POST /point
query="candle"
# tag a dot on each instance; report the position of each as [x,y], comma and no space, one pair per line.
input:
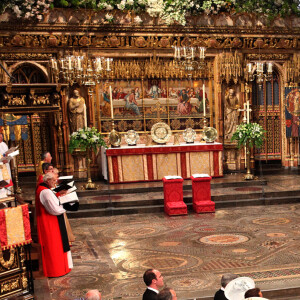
[111,103]
[175,52]
[249,67]
[108,69]
[84,114]
[244,110]
[79,63]
[192,53]
[248,112]
[184,52]
[52,63]
[269,67]
[204,105]
[178,52]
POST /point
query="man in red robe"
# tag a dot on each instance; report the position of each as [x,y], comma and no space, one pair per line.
[52,233]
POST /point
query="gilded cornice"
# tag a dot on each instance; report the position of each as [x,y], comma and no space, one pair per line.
[100,41]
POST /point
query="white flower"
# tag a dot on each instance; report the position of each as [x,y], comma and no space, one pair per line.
[109,7]
[130,2]
[137,19]
[83,135]
[109,17]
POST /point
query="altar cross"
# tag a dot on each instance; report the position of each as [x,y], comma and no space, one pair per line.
[159,109]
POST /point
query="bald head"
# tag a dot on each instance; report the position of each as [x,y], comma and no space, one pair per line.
[93,295]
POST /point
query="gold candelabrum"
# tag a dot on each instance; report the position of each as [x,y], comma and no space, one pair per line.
[80,69]
[189,58]
[260,75]
[89,185]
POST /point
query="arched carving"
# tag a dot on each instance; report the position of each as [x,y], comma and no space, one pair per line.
[29,72]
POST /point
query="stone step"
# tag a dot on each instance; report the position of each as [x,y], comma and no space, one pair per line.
[144,207]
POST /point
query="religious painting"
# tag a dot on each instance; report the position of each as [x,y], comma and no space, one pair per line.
[138,105]
[126,97]
[292,111]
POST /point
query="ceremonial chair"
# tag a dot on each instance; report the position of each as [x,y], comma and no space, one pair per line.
[173,197]
[201,193]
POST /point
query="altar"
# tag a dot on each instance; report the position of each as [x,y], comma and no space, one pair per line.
[152,163]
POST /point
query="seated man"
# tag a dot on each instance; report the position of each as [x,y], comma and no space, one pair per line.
[167,294]
[93,295]
[153,280]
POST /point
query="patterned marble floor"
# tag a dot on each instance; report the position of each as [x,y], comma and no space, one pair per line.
[192,252]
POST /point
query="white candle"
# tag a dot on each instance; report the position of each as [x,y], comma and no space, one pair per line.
[249,68]
[111,103]
[204,105]
[175,52]
[192,53]
[52,63]
[248,112]
[269,67]
[245,110]
[178,52]
[79,63]
[184,52]
[108,69]
[84,114]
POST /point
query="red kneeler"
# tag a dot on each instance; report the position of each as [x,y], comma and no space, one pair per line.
[173,197]
[201,194]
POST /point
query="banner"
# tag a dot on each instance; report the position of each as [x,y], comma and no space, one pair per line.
[292,111]
[14,227]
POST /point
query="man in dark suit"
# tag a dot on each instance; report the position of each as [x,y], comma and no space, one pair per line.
[154,281]
[226,278]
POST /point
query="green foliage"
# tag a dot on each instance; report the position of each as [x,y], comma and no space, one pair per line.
[171,11]
[86,138]
[251,134]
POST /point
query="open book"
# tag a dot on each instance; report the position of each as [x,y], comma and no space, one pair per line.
[8,155]
[69,197]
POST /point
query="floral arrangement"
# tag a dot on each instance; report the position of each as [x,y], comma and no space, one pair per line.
[171,11]
[251,134]
[27,9]
[85,139]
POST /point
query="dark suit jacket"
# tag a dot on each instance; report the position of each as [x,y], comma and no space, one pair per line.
[149,295]
[220,295]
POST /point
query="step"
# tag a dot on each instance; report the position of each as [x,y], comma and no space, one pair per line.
[146,208]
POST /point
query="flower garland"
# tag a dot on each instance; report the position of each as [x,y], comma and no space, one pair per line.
[251,134]
[86,138]
[171,11]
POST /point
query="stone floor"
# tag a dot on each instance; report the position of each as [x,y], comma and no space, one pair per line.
[192,252]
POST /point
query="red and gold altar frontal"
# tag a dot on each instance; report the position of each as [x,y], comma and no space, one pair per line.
[152,163]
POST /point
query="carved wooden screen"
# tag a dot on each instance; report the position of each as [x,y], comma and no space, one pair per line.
[266,112]
[38,124]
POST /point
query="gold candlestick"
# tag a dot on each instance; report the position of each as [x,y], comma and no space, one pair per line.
[114,136]
[89,185]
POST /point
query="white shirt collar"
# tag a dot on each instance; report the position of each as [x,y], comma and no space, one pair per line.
[152,289]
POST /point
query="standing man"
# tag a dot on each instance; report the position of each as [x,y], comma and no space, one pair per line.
[226,278]
[154,281]
[52,233]
[46,158]
[5,173]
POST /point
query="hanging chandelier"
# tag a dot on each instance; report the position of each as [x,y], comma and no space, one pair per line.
[259,70]
[80,69]
[189,59]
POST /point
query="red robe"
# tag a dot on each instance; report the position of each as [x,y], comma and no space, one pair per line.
[55,261]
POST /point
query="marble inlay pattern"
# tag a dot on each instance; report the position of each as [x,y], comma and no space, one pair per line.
[192,252]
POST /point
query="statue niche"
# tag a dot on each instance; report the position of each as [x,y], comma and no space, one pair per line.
[77,113]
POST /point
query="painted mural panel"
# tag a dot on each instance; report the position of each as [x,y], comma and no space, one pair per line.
[139,104]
